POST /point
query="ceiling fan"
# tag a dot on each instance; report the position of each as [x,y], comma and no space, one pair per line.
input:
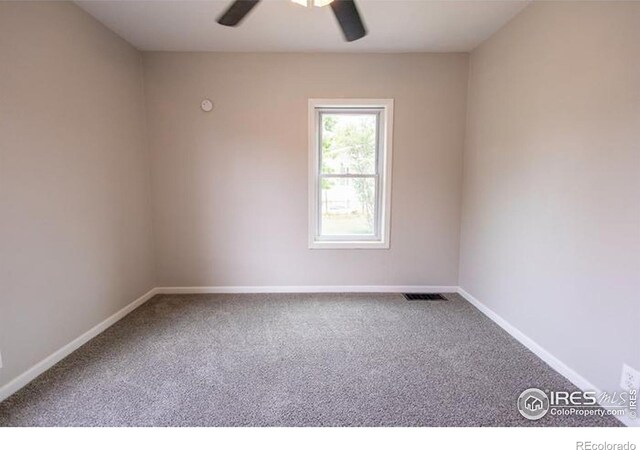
[345,11]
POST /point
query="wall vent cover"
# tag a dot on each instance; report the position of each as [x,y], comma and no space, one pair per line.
[431,297]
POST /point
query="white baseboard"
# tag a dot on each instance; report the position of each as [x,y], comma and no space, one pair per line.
[25,378]
[542,353]
[303,289]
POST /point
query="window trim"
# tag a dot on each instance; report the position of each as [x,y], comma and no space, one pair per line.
[383,166]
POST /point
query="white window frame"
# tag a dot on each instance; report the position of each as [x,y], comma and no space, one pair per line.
[383,174]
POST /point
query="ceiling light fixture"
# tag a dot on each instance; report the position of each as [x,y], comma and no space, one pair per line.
[318,3]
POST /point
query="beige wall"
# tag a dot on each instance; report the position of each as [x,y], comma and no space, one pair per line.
[75,228]
[551,221]
[230,186]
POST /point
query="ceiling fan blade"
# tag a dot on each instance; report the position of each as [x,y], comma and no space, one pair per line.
[349,19]
[236,12]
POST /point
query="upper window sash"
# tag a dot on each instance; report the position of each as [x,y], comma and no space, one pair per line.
[376,113]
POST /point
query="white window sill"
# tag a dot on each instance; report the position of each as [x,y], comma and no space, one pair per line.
[332,245]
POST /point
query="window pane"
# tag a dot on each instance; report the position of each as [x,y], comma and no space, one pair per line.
[347,206]
[349,143]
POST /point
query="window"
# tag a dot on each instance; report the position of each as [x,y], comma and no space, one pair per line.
[349,173]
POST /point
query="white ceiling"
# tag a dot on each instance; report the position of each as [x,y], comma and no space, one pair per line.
[282,26]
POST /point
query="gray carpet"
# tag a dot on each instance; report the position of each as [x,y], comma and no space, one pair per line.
[292,360]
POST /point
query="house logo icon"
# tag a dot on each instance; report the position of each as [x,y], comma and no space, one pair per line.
[533,404]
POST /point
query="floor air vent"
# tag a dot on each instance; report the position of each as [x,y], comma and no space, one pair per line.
[431,297]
